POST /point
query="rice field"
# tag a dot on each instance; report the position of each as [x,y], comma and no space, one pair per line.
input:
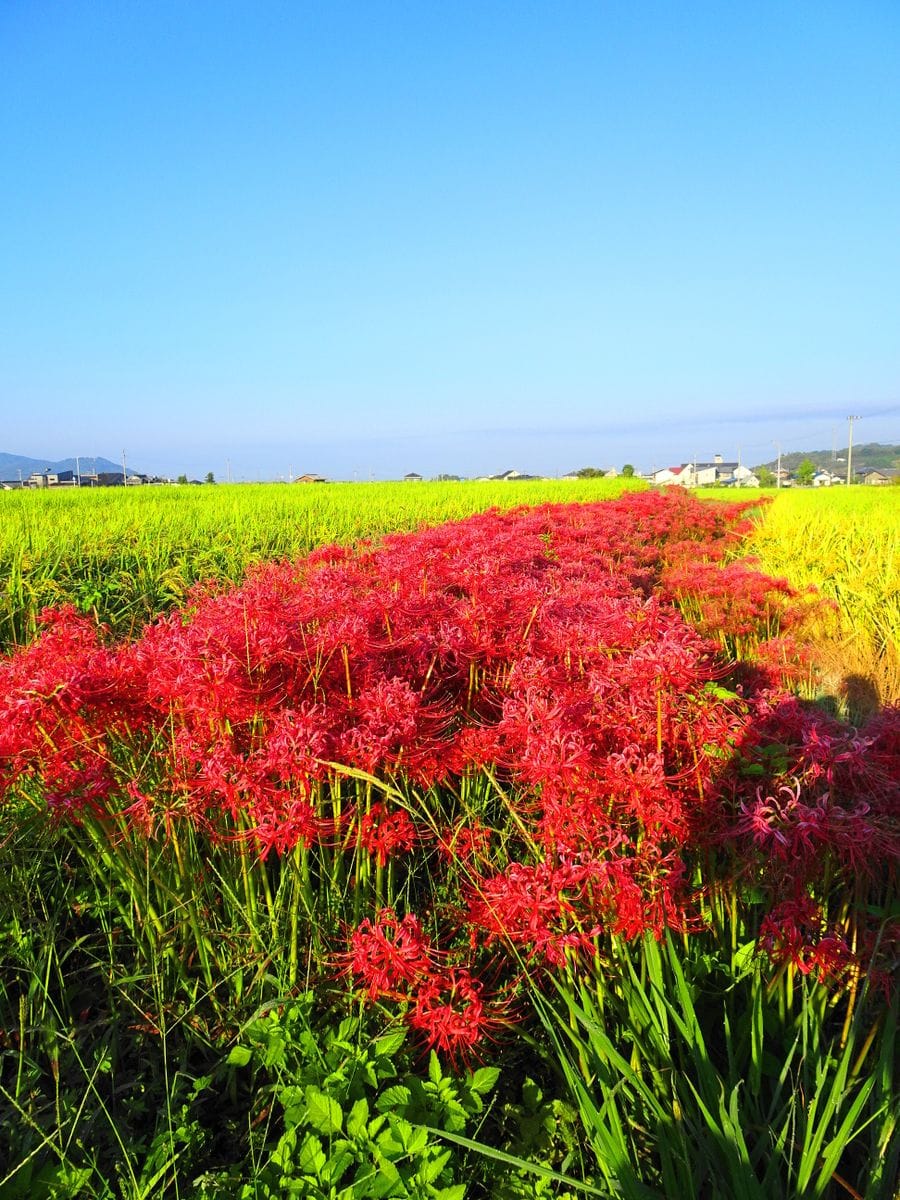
[448,841]
[126,555]
[846,545]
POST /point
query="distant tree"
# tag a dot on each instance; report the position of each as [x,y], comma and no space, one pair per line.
[590,473]
[806,472]
[628,471]
[182,479]
[210,478]
[766,477]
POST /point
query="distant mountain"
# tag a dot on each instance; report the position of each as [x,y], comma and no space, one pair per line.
[871,455]
[12,464]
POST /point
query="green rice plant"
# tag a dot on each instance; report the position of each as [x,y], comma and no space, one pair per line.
[127,555]
[691,1080]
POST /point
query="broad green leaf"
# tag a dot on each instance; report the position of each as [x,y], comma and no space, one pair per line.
[357,1118]
[310,1157]
[323,1112]
[393,1098]
[434,1068]
[388,1044]
[484,1079]
[430,1171]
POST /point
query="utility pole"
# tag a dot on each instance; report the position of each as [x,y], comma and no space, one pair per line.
[78,471]
[777,446]
[228,469]
[850,421]
[124,471]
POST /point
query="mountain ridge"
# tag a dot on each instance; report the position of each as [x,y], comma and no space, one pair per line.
[869,455]
[11,464]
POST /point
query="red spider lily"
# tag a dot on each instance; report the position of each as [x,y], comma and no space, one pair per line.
[450,1011]
[389,955]
[543,909]
[384,831]
[794,933]
[544,650]
[466,843]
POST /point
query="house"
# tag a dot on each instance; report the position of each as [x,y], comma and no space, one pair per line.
[879,477]
[672,476]
[508,476]
[413,477]
[310,478]
[744,477]
[826,478]
[48,478]
[706,474]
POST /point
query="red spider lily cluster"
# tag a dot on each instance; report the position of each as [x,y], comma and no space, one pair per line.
[351,701]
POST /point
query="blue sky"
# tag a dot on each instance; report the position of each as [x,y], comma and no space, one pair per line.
[371,238]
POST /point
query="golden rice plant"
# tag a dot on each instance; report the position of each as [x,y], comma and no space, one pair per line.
[846,544]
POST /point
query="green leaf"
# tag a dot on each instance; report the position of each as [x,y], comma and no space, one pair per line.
[430,1171]
[396,1139]
[434,1068]
[311,1157]
[393,1098]
[340,1156]
[743,959]
[367,1185]
[417,1140]
[484,1079]
[239,1056]
[323,1112]
[357,1119]
[389,1173]
[531,1094]
[389,1043]
[456,1191]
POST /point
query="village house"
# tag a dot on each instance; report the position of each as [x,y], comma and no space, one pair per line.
[48,479]
[745,477]
[672,476]
[706,474]
[877,477]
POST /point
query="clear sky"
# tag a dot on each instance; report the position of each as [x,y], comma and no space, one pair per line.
[378,237]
